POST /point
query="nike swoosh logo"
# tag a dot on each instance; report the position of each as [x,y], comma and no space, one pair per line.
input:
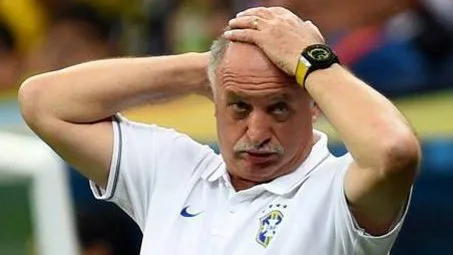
[185,213]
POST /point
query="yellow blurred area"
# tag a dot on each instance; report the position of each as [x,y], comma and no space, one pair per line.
[194,115]
[9,94]
[27,20]
[428,114]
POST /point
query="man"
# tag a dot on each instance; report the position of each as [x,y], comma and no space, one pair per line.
[276,189]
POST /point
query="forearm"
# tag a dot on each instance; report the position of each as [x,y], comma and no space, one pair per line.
[369,125]
[95,90]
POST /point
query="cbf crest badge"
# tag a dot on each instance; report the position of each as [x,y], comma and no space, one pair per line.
[269,224]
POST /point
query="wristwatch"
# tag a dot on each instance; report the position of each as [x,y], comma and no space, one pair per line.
[312,58]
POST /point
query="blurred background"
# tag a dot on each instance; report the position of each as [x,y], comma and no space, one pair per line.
[403,48]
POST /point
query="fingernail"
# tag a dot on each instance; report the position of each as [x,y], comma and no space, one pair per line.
[228,33]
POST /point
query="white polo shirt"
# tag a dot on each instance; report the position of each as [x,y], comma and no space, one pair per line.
[180,195]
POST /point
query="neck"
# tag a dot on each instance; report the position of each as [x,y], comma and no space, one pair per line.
[242,184]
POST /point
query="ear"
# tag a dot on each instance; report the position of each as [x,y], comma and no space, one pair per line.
[314,111]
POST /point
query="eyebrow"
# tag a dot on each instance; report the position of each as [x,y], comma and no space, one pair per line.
[282,97]
[237,96]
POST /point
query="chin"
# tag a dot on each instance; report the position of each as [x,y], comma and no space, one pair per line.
[259,173]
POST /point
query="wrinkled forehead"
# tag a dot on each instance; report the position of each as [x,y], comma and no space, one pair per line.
[247,70]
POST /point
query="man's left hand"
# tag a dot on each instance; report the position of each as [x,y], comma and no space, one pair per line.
[277,31]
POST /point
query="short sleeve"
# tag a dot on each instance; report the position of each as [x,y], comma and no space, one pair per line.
[350,231]
[146,156]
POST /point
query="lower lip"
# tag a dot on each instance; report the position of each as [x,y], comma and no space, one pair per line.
[259,158]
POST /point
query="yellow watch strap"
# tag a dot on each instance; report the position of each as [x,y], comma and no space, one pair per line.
[301,70]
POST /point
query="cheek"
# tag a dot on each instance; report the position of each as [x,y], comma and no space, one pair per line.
[229,131]
[293,135]
[288,137]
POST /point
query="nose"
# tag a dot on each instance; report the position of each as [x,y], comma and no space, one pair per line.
[259,128]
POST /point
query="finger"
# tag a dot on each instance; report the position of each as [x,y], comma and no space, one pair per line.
[280,11]
[261,12]
[241,35]
[251,22]
[315,28]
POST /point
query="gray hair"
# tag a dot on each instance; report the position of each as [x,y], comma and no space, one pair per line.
[218,49]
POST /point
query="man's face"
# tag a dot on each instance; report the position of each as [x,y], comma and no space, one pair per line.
[264,119]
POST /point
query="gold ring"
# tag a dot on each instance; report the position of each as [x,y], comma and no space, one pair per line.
[255,23]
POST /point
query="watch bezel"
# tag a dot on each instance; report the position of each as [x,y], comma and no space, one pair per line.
[308,62]
[319,63]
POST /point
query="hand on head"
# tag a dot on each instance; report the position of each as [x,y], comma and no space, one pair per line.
[277,31]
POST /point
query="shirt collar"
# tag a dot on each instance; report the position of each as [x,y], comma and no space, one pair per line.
[286,183]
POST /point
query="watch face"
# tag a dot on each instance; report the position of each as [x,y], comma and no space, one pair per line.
[319,53]
[314,57]
[320,56]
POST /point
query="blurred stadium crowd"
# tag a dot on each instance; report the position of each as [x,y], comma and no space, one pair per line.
[404,48]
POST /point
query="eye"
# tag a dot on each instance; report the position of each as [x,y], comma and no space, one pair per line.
[280,108]
[240,107]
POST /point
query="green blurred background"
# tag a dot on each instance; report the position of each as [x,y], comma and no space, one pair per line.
[16,231]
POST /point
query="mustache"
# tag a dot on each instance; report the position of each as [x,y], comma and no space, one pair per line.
[258,148]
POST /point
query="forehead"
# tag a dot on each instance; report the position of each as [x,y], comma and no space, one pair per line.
[237,95]
[247,71]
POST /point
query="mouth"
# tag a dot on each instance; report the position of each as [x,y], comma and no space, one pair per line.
[259,157]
